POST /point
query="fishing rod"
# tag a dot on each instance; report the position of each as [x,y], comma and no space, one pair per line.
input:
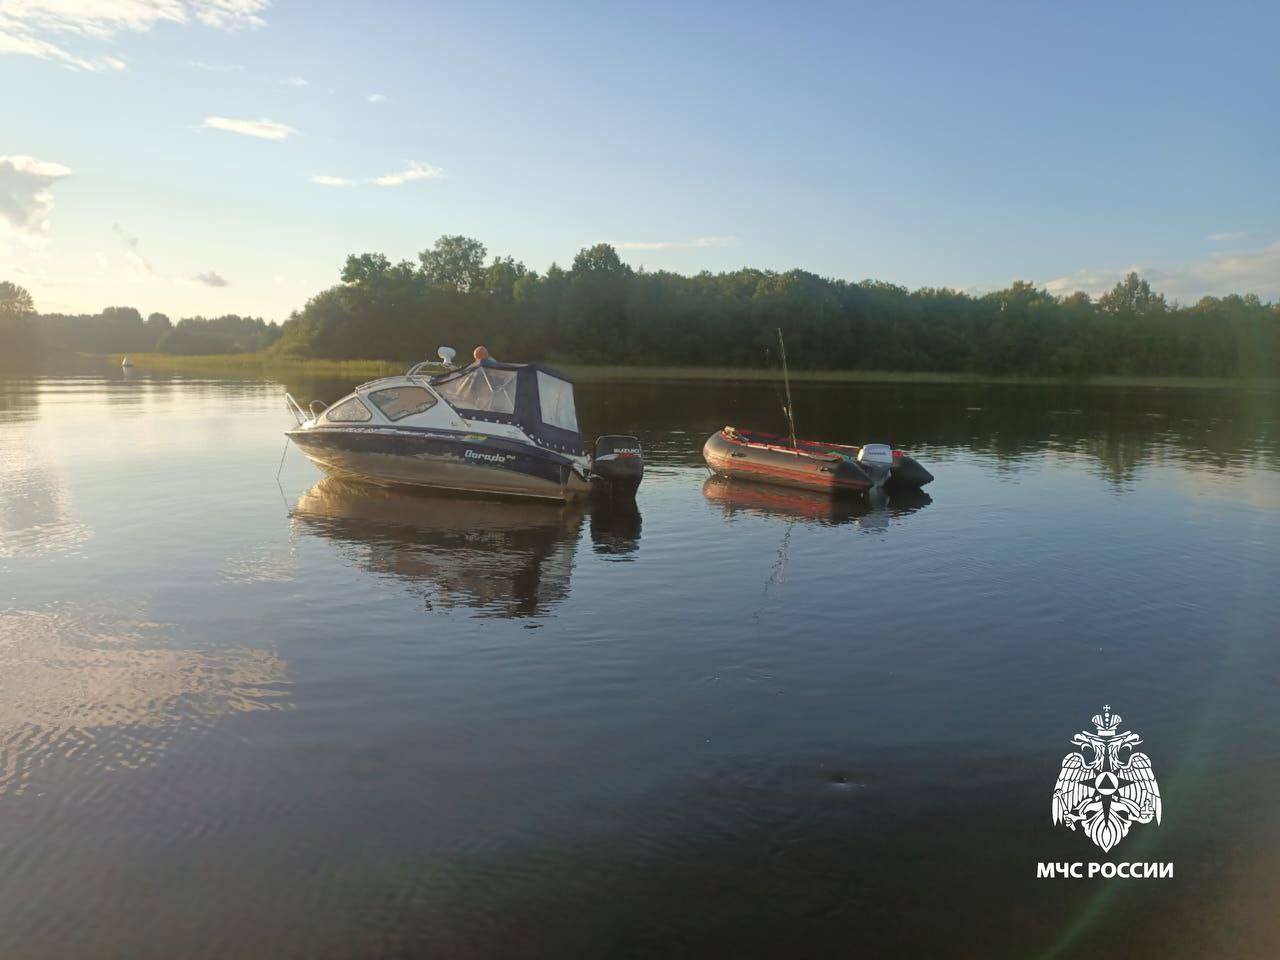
[786,379]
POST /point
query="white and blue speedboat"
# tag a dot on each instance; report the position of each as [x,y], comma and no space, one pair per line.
[497,428]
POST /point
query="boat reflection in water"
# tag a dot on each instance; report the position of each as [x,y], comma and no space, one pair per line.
[873,511]
[615,529]
[506,558]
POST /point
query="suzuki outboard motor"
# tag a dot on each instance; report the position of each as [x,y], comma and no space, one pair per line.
[617,467]
[876,460]
[892,469]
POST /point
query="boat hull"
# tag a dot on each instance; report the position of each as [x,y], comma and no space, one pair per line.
[440,460]
[730,457]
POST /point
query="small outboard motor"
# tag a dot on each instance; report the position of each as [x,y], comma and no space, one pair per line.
[876,459]
[617,467]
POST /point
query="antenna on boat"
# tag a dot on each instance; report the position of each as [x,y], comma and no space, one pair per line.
[786,379]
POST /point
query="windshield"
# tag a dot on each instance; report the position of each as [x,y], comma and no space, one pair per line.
[484,388]
[396,403]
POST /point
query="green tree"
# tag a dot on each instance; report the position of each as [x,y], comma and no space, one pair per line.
[502,275]
[19,342]
[601,310]
[157,325]
[365,268]
[454,263]
[15,300]
[600,260]
[1134,296]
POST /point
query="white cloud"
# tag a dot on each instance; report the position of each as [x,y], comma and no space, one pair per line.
[699,243]
[129,239]
[415,171]
[132,253]
[296,82]
[327,181]
[228,14]
[216,67]
[25,196]
[377,98]
[29,27]
[142,267]
[1088,280]
[262,129]
[1226,237]
[1243,271]
[24,44]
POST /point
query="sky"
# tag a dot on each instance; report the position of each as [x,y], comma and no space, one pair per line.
[225,156]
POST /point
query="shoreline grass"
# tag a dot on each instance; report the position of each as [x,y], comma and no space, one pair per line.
[265,363]
[241,363]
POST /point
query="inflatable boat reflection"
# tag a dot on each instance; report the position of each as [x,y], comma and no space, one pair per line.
[505,558]
[870,512]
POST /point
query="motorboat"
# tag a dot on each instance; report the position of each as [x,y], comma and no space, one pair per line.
[811,464]
[126,363]
[496,428]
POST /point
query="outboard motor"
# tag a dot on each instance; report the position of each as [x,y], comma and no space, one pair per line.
[876,459]
[617,467]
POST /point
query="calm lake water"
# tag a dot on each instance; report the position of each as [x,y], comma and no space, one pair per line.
[304,720]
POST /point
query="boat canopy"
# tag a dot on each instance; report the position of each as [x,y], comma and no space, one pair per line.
[536,398]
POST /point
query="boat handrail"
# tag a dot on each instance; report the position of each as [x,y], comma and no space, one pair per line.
[369,383]
[441,368]
[295,408]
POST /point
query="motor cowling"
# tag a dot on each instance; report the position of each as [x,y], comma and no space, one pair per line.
[876,459]
[617,466]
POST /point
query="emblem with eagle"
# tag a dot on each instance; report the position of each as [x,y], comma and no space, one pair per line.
[1106,788]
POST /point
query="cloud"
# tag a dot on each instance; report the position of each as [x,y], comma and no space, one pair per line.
[215,67]
[35,28]
[1088,280]
[1221,273]
[262,129]
[1245,271]
[132,253]
[415,171]
[129,239]
[377,98]
[699,243]
[296,82]
[1226,237]
[327,181]
[25,195]
[142,266]
[17,41]
[228,14]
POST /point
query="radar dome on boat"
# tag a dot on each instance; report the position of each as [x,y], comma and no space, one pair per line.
[446,355]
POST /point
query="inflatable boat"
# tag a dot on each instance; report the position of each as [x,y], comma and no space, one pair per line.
[811,464]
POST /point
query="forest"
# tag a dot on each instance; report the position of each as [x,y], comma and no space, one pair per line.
[602,311]
[26,337]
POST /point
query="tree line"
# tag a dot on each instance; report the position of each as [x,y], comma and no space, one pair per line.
[601,310]
[27,337]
